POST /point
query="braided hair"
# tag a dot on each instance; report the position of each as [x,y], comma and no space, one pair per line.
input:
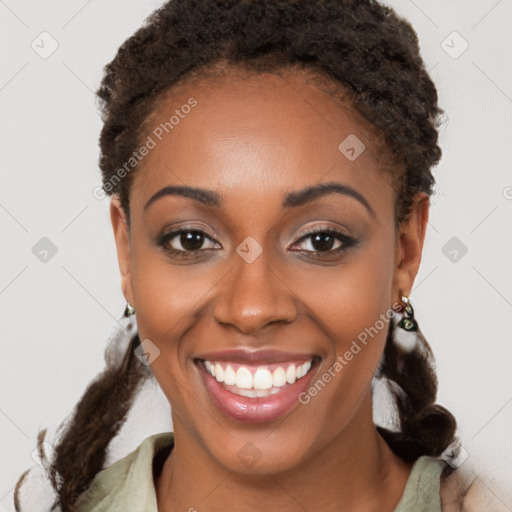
[362,48]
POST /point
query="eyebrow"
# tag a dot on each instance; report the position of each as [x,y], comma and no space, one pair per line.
[206,197]
[301,197]
[291,200]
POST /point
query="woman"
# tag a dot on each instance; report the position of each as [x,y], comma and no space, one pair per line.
[269,164]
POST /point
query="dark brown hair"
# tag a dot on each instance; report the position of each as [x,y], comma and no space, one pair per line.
[362,47]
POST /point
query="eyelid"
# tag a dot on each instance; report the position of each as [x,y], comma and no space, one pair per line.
[177,229]
[321,229]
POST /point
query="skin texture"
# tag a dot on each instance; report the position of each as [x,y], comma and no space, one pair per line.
[253,141]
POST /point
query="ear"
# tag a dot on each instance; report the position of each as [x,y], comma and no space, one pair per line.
[409,245]
[122,239]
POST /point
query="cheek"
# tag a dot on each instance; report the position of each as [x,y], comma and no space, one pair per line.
[166,296]
[347,299]
[351,305]
[165,299]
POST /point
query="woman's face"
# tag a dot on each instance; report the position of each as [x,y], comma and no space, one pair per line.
[255,287]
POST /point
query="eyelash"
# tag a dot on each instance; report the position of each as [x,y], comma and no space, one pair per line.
[346,240]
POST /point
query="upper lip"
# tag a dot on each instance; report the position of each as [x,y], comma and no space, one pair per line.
[258,356]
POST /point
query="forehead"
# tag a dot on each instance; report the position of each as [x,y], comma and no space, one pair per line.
[255,134]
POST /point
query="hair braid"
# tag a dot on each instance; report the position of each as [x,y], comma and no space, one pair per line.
[425,428]
[96,419]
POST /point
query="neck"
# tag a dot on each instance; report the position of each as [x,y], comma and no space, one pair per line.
[356,471]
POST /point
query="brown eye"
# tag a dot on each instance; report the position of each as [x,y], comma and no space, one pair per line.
[327,241]
[191,240]
[186,240]
[322,241]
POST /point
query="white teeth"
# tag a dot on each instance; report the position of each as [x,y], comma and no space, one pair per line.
[209,367]
[291,374]
[278,377]
[229,376]
[251,393]
[305,367]
[243,378]
[262,379]
[257,393]
[219,372]
[262,383]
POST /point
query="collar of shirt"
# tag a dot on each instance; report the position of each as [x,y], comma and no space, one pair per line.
[128,484]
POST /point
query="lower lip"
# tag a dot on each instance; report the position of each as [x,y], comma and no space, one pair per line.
[255,410]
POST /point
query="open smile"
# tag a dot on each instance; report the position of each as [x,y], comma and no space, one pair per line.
[252,391]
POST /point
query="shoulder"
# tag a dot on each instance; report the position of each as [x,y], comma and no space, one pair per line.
[463,491]
[421,491]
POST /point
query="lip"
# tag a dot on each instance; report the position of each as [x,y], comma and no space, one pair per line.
[261,357]
[261,409]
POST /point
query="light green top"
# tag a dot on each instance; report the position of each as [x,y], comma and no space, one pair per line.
[128,485]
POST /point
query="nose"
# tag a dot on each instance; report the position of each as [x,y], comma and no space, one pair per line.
[253,296]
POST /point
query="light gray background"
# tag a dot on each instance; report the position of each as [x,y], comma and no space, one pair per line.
[56,316]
